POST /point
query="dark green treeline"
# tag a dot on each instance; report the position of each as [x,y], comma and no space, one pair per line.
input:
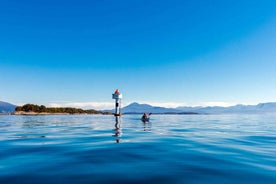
[42,108]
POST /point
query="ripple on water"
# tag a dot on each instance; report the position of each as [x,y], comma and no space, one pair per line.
[168,149]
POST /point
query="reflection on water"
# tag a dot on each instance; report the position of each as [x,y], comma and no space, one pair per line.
[33,123]
[167,149]
[117,130]
[147,126]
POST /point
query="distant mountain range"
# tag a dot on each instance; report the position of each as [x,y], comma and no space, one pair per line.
[135,108]
[6,107]
[260,108]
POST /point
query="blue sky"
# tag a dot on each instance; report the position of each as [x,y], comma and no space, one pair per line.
[169,53]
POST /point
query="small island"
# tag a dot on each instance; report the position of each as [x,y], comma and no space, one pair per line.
[32,109]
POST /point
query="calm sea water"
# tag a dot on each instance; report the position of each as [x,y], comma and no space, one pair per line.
[168,149]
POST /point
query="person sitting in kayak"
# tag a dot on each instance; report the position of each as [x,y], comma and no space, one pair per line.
[145,117]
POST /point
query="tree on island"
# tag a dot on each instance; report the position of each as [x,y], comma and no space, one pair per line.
[43,109]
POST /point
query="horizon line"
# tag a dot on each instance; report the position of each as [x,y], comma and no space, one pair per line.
[110,105]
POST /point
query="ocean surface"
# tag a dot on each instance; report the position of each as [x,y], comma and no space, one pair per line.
[168,149]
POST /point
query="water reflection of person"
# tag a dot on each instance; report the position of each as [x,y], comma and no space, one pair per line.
[117,130]
[147,126]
